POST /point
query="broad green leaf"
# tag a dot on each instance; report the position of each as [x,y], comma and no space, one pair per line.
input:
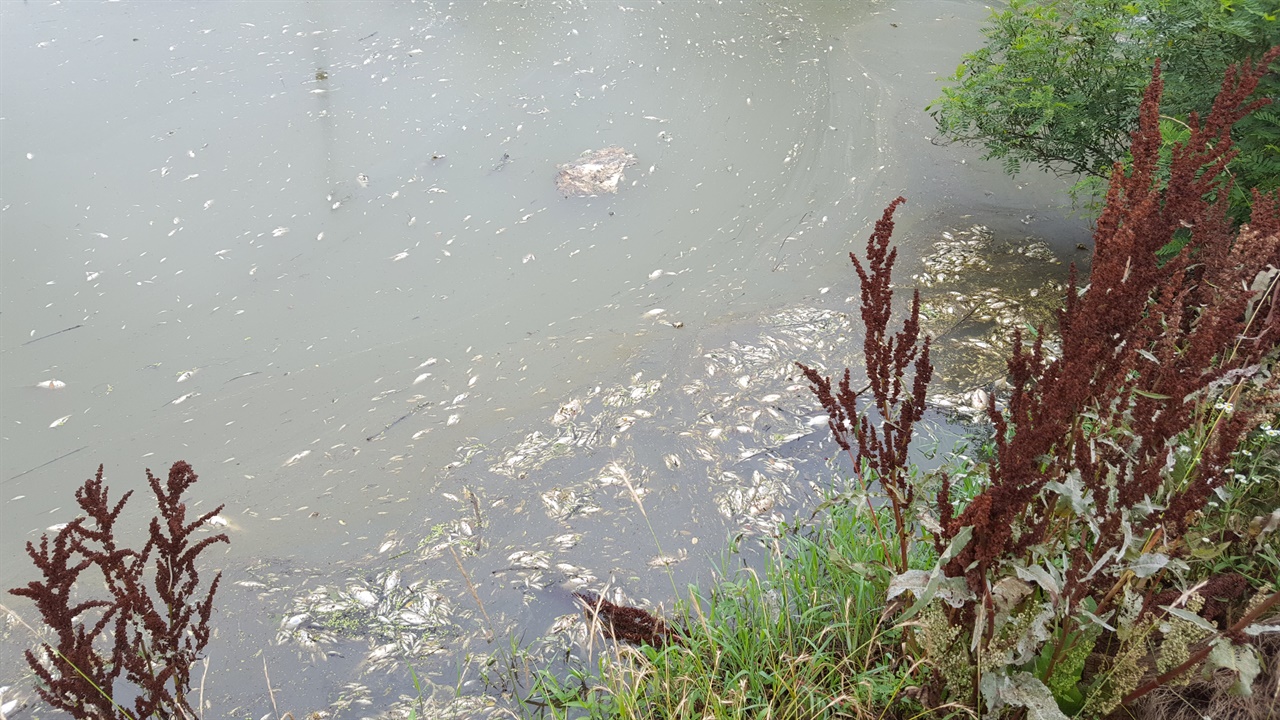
[1041,577]
[1242,659]
[913,580]
[1149,564]
[1021,689]
[1190,617]
[1256,629]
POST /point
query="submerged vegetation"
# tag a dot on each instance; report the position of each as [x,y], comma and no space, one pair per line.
[1109,550]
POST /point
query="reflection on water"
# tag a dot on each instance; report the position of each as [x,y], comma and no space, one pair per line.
[318,251]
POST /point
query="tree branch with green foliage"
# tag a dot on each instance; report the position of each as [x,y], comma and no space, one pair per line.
[1057,83]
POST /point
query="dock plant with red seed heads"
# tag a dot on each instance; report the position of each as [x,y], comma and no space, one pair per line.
[880,453]
[154,621]
[1053,581]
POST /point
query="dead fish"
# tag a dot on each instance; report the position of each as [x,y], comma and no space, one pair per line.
[567,412]
[978,399]
[291,623]
[51,384]
[392,581]
[296,458]
[364,597]
[184,398]
[60,421]
[409,617]
[187,375]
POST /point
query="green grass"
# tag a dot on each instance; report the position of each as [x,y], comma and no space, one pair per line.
[803,639]
[808,636]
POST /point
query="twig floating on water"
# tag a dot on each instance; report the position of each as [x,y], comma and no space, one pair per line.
[398,420]
[788,237]
[244,375]
[488,634]
[27,472]
[42,337]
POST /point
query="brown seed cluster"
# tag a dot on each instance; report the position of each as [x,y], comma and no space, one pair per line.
[626,623]
[153,624]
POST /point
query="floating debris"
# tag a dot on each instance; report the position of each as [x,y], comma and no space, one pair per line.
[564,503]
[626,623]
[402,623]
[596,172]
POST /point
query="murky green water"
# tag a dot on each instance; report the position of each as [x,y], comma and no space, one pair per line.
[318,251]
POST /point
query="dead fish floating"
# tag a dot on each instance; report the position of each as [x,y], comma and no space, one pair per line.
[594,173]
[51,384]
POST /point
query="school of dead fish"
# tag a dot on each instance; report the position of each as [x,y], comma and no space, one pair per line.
[743,426]
[976,290]
[739,420]
[740,413]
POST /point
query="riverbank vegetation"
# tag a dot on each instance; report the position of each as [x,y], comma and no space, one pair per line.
[1056,84]
[1108,551]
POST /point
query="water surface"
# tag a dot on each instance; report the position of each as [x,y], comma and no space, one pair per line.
[317,251]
